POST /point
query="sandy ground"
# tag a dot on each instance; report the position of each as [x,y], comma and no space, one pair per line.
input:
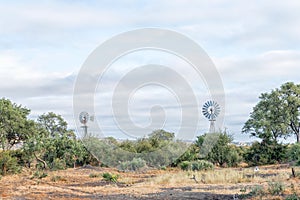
[77,184]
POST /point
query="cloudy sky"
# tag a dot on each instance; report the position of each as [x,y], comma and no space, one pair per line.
[43,44]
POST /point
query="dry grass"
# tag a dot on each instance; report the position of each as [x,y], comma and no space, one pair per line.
[223,176]
[77,183]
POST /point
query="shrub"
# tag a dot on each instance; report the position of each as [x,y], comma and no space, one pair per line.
[58,164]
[8,164]
[196,165]
[294,153]
[292,197]
[185,165]
[39,174]
[201,165]
[257,190]
[276,188]
[133,165]
[110,177]
[266,152]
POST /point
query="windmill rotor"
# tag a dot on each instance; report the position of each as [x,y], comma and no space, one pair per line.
[84,117]
[211,110]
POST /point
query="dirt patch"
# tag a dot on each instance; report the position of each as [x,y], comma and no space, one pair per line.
[151,184]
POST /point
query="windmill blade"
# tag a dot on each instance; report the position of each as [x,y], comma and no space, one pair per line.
[211,109]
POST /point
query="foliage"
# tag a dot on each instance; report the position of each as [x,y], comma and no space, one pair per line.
[133,165]
[39,174]
[8,163]
[14,125]
[160,135]
[196,165]
[110,177]
[55,147]
[293,196]
[257,190]
[192,153]
[265,152]
[53,124]
[276,188]
[294,153]
[276,115]
[201,165]
[185,165]
[218,149]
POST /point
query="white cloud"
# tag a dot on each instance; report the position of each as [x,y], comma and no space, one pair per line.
[43,44]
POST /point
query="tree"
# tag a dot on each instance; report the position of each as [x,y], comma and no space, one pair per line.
[266,152]
[160,138]
[216,148]
[53,124]
[220,152]
[53,145]
[14,125]
[290,94]
[294,153]
[276,115]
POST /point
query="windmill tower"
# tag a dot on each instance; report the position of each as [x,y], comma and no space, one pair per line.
[84,118]
[211,110]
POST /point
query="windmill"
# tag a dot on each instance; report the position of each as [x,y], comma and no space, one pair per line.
[211,110]
[84,117]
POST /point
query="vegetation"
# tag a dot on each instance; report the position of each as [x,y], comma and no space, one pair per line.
[276,115]
[47,143]
[110,177]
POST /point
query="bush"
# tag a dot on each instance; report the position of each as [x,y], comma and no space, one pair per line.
[133,165]
[185,165]
[201,165]
[276,188]
[266,152]
[39,174]
[58,164]
[292,197]
[110,177]
[257,190]
[8,164]
[294,153]
[196,165]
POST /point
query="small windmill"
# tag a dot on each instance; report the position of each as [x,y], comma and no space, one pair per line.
[211,110]
[84,117]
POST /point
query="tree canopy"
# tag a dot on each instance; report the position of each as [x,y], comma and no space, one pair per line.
[276,115]
[14,125]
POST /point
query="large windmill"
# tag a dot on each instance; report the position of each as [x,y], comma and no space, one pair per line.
[211,110]
[84,117]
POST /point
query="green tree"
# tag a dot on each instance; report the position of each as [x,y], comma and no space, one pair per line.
[216,148]
[53,124]
[276,115]
[290,94]
[220,152]
[53,145]
[14,125]
[267,121]
[266,152]
[160,138]
[294,153]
